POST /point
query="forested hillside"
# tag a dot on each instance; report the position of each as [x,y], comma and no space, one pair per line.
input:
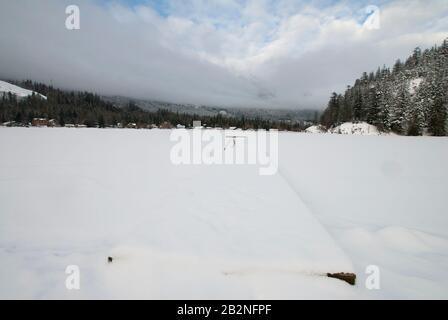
[70,107]
[410,99]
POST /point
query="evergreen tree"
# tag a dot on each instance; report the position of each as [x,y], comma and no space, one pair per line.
[373,108]
[357,106]
[397,114]
[438,117]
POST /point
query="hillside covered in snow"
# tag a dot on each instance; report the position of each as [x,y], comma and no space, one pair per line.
[6,87]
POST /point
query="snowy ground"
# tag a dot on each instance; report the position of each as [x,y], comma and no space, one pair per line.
[337,204]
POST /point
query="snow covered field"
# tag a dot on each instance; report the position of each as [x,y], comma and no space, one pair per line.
[337,204]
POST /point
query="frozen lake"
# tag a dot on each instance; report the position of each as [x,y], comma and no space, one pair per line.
[336,204]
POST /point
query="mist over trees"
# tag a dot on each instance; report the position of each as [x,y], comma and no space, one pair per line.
[409,99]
[89,109]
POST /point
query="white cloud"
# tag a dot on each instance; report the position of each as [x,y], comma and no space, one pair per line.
[213,52]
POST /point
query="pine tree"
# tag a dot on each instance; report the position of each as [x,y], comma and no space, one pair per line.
[438,109]
[330,116]
[101,121]
[438,117]
[397,66]
[397,113]
[357,106]
[373,109]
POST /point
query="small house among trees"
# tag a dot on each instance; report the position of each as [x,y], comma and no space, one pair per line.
[39,122]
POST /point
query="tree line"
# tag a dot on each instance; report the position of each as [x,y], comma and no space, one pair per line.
[72,107]
[410,99]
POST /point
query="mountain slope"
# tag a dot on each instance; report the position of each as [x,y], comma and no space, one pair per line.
[6,87]
[410,99]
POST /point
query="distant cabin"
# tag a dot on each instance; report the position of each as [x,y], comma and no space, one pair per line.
[39,122]
[166,125]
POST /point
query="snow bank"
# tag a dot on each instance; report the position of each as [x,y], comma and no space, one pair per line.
[316,129]
[349,128]
[357,128]
[6,87]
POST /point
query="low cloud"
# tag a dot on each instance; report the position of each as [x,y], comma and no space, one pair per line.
[284,54]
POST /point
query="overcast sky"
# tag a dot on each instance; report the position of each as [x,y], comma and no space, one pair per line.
[265,53]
